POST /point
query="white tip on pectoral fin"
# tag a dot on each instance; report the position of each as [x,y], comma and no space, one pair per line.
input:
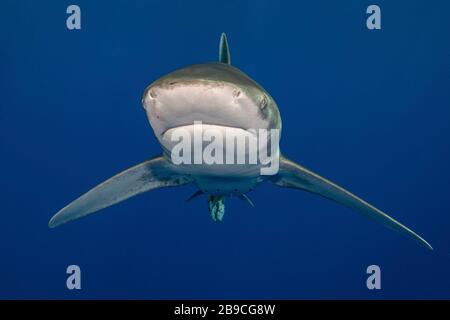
[293,175]
[149,175]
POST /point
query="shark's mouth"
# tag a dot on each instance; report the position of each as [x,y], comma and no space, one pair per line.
[205,127]
[201,134]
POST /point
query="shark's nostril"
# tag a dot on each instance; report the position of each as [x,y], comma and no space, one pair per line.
[236,93]
[152,94]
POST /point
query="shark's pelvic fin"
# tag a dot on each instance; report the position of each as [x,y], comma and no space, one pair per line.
[246,199]
[293,175]
[195,195]
[224,51]
[152,174]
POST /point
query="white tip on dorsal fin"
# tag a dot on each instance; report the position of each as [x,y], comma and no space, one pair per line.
[224,51]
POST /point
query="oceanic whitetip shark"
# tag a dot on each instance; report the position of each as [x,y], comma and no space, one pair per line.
[221,96]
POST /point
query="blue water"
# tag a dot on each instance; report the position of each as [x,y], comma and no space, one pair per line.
[367,109]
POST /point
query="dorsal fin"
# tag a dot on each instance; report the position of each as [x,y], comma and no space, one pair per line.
[224,51]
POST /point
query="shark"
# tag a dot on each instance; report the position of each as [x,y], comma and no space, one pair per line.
[222,97]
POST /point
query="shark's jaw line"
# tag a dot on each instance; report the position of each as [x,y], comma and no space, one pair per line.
[187,125]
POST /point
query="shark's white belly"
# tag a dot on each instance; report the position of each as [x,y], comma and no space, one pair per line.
[215,185]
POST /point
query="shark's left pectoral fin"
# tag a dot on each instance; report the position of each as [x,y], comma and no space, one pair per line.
[293,175]
[152,174]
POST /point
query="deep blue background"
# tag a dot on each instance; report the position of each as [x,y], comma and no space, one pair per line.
[367,109]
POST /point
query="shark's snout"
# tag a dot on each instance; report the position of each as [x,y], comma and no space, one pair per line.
[180,103]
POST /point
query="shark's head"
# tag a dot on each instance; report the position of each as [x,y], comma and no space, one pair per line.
[215,94]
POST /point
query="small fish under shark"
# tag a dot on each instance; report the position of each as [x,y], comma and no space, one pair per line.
[220,96]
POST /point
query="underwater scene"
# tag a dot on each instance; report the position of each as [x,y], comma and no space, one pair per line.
[117,119]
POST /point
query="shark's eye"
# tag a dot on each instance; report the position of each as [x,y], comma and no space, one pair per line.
[263,102]
[152,94]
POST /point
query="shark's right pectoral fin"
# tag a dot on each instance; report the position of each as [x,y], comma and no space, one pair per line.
[293,175]
[152,174]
